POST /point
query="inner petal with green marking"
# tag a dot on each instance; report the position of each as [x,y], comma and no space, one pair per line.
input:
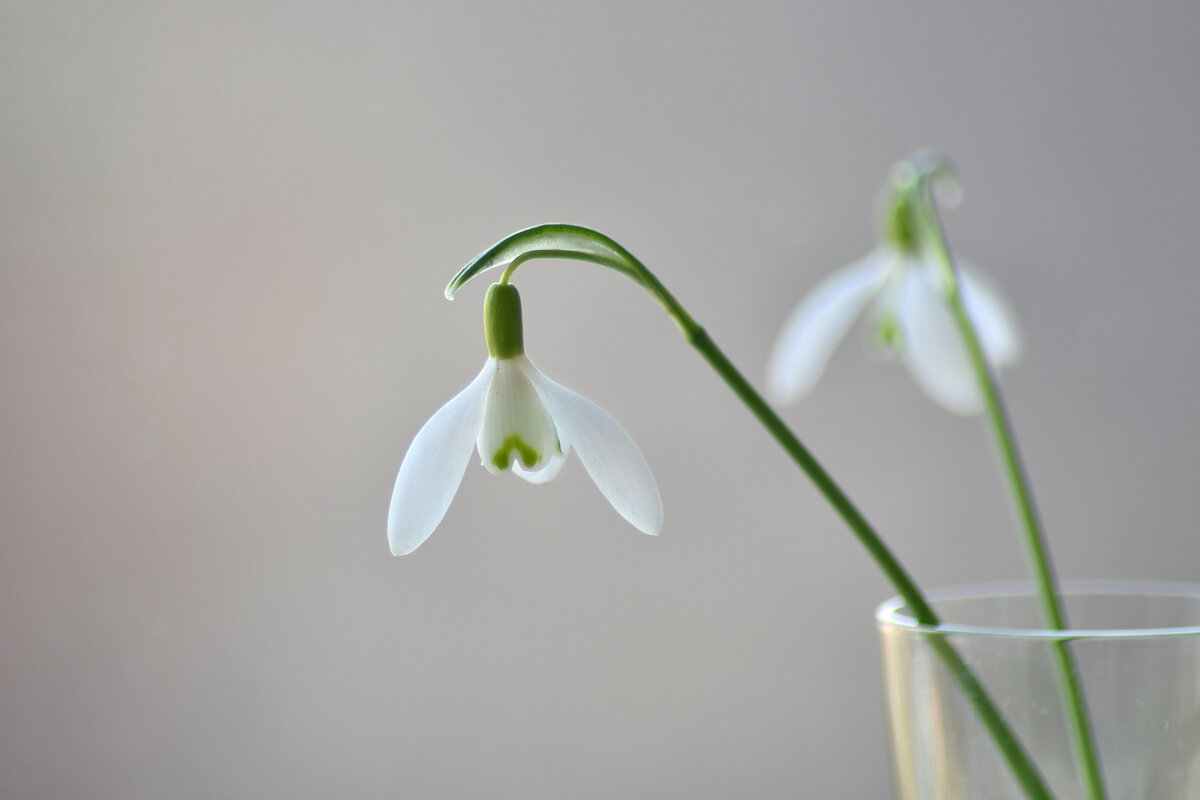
[516,428]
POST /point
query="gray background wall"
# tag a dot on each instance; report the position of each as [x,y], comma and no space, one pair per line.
[224,233]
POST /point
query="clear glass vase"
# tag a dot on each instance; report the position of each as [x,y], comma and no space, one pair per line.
[1136,648]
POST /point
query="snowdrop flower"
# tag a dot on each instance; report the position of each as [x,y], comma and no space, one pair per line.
[518,420]
[910,318]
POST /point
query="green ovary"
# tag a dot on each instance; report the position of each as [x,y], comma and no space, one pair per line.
[529,456]
[900,224]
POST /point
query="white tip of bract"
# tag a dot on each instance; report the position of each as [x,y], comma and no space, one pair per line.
[433,467]
[607,452]
[819,323]
[453,287]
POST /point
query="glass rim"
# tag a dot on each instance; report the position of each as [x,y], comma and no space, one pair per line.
[893,613]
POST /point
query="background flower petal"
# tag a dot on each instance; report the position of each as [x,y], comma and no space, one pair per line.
[933,348]
[434,465]
[994,322]
[813,331]
[609,455]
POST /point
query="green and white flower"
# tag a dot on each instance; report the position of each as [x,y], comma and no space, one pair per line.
[518,420]
[910,319]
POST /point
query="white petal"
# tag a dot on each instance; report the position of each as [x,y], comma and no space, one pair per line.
[516,423]
[434,465]
[993,321]
[608,454]
[883,337]
[543,474]
[813,331]
[933,348]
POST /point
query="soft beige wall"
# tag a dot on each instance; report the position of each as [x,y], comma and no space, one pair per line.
[224,232]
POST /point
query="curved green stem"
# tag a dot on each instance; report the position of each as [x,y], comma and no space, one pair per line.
[1018,482]
[569,241]
[1018,760]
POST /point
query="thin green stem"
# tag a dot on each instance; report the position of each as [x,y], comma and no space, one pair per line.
[1018,759]
[1019,486]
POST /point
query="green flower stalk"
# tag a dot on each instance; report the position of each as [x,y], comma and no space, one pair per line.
[953,332]
[440,448]
[916,189]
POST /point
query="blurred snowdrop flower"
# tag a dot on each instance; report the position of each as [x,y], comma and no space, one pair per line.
[517,419]
[909,317]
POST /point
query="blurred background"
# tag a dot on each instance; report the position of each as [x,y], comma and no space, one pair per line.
[224,233]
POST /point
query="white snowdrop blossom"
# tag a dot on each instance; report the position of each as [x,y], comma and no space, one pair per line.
[909,316]
[518,420]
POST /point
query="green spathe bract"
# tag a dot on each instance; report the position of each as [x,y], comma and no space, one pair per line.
[554,240]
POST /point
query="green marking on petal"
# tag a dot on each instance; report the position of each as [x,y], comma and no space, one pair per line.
[889,334]
[529,457]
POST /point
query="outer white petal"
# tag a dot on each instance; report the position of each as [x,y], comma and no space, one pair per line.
[933,348]
[995,324]
[885,311]
[813,331]
[434,465]
[609,455]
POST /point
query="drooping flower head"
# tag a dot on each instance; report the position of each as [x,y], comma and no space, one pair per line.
[905,288]
[520,421]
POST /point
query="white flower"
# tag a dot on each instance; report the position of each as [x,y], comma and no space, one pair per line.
[911,319]
[516,418]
